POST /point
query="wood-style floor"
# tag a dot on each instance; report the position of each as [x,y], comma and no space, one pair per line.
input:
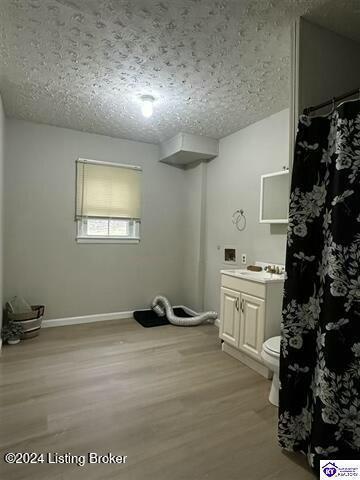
[166,397]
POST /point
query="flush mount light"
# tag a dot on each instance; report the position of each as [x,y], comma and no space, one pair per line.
[147,105]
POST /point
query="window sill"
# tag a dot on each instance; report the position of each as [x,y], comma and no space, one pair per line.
[107,240]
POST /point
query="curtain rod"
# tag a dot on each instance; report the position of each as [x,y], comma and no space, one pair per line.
[308,110]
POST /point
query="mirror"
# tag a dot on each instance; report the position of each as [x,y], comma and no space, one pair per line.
[274,197]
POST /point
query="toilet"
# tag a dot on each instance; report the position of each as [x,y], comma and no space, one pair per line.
[271,356]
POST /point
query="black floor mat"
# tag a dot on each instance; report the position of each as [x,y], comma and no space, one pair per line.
[148,318]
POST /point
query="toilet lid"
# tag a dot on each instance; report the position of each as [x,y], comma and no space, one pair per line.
[273,345]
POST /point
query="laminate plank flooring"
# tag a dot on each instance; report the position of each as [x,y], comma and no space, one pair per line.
[167,397]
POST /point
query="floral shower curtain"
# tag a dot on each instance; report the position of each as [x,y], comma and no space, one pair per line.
[319,411]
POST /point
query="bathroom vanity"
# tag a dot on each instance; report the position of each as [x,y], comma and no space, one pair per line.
[251,304]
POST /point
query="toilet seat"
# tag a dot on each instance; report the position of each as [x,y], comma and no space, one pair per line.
[272,346]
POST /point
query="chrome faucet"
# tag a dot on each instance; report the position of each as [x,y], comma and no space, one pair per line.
[274,269]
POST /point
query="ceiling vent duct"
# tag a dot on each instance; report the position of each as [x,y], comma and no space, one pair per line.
[184,149]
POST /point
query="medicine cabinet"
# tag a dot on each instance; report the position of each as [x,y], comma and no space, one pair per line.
[274,197]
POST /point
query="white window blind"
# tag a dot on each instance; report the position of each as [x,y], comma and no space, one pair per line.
[105,190]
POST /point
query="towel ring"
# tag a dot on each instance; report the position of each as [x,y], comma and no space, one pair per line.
[239,220]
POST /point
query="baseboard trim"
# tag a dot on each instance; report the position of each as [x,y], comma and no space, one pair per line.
[100,317]
[188,310]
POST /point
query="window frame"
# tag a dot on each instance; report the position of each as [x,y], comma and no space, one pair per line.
[82,237]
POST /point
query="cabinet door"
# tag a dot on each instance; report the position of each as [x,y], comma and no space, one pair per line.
[230,316]
[252,325]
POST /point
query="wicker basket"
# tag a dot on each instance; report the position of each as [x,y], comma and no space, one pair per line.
[30,321]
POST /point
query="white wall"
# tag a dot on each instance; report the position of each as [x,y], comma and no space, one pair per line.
[328,65]
[186,217]
[194,235]
[233,182]
[43,261]
[2,127]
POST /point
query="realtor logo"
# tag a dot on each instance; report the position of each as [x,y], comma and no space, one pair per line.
[330,469]
[339,468]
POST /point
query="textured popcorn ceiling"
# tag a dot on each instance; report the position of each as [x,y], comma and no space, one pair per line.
[213,66]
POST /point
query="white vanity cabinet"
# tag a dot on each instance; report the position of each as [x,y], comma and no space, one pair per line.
[230,316]
[252,323]
[250,313]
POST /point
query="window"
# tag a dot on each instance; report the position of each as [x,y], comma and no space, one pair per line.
[107,202]
[103,228]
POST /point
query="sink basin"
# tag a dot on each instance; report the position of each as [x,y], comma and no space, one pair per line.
[242,271]
[262,277]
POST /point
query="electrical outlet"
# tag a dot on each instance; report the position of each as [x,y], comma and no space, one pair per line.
[243,258]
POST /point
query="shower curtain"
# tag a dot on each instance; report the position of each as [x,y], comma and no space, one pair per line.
[319,411]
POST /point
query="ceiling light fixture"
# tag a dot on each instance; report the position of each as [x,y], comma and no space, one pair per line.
[147,107]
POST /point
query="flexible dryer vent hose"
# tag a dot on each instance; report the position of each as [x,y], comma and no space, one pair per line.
[162,306]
